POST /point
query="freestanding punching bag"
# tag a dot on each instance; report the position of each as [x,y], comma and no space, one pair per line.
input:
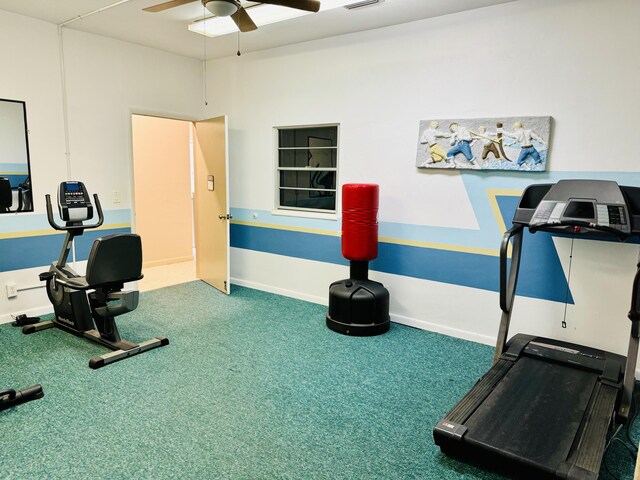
[357,305]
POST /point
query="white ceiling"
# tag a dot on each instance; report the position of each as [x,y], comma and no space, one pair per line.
[168,30]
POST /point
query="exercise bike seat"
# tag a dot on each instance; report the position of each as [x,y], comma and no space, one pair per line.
[114,259]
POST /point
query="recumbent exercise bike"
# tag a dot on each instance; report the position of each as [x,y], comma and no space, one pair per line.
[87,305]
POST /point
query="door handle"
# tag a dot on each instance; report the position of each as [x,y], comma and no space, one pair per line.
[222,216]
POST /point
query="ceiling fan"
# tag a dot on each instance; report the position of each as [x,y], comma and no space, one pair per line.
[235,10]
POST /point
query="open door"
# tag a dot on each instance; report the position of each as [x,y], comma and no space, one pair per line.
[211,192]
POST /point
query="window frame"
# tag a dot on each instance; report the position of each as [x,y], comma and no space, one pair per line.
[304,211]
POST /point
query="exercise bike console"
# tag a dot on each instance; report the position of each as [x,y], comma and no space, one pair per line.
[73,202]
[75,208]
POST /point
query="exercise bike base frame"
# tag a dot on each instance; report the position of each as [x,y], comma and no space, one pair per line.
[111,357]
[121,349]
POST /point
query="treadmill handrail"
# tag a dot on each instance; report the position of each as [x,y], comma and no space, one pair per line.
[634,312]
[508,283]
[629,380]
[506,295]
[579,223]
[54,225]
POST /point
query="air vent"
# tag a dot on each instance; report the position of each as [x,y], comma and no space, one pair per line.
[363,3]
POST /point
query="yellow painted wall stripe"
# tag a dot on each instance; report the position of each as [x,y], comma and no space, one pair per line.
[441,246]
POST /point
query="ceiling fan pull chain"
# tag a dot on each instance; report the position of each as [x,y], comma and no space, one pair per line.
[239,43]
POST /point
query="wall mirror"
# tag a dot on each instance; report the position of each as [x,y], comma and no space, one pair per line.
[15,169]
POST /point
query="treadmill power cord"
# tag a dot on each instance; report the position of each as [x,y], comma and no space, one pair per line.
[606,449]
[614,438]
[566,297]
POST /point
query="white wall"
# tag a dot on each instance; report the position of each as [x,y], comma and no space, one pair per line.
[570,59]
[106,81]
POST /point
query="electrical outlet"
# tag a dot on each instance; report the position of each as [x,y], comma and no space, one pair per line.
[12,290]
[116,196]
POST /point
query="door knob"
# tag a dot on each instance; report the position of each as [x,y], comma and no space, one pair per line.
[222,216]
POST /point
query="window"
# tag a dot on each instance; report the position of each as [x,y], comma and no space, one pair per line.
[307,168]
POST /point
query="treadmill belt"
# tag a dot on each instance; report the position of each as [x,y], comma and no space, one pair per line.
[535,412]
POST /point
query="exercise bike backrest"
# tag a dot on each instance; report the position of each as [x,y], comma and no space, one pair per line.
[74,207]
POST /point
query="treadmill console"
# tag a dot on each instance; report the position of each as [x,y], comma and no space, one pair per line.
[576,206]
[74,202]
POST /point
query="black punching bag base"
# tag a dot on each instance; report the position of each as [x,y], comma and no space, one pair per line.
[358,308]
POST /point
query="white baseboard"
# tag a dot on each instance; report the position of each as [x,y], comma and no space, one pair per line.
[32,312]
[279,291]
[444,330]
[401,319]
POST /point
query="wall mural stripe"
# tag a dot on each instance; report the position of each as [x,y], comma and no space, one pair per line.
[466,257]
[40,250]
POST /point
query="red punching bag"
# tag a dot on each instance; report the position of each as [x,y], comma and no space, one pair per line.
[360,221]
[357,305]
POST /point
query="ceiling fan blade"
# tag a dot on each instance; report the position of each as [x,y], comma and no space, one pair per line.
[167,5]
[307,5]
[243,20]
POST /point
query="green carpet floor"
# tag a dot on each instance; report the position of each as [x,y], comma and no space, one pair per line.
[252,386]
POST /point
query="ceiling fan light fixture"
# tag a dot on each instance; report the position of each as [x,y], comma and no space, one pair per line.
[221,8]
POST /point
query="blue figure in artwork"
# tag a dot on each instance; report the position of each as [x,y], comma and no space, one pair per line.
[461,141]
[525,138]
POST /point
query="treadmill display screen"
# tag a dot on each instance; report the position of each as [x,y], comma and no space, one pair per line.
[72,187]
[580,210]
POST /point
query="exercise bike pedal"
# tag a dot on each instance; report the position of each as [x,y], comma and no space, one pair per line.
[46,276]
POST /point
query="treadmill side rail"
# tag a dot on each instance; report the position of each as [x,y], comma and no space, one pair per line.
[454,431]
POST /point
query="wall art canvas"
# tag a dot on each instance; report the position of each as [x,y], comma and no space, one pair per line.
[506,143]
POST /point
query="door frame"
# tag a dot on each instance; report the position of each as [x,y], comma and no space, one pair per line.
[173,116]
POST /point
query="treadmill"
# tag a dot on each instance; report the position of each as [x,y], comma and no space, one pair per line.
[544,408]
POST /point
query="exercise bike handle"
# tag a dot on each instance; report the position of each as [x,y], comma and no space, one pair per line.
[54,225]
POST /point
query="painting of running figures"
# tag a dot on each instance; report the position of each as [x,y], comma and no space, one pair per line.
[507,143]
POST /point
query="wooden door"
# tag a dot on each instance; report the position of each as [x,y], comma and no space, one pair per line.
[211,202]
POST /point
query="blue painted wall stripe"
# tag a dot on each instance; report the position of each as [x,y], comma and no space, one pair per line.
[37,251]
[539,279]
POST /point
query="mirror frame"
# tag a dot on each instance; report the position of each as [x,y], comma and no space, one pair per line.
[26,205]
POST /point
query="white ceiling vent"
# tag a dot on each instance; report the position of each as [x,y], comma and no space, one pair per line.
[363,3]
